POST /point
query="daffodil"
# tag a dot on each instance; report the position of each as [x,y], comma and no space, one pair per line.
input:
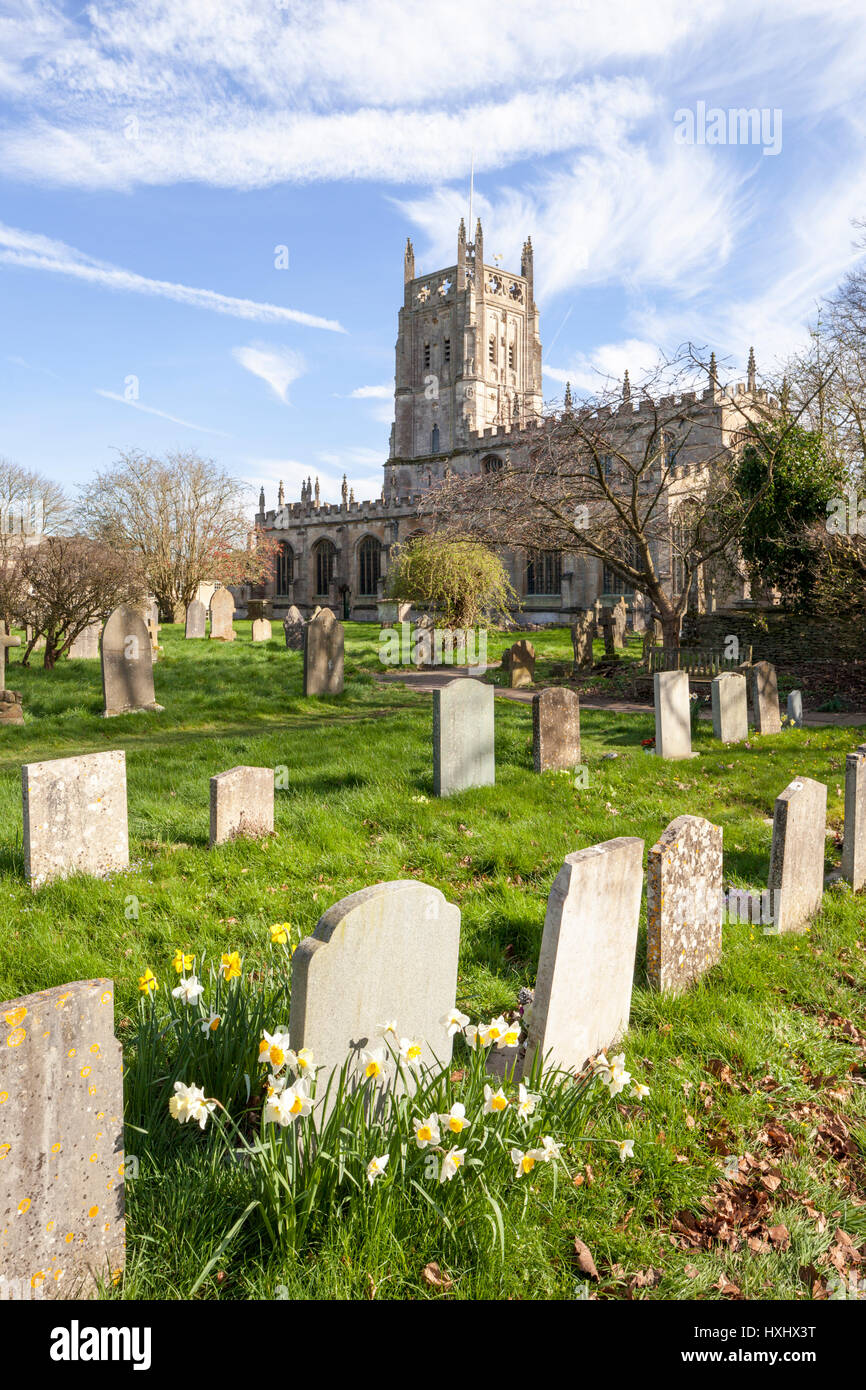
[286,1104]
[474,1036]
[427,1131]
[524,1162]
[495,1031]
[303,1062]
[549,1148]
[280,933]
[511,1036]
[389,1027]
[211,1023]
[274,1049]
[230,966]
[188,990]
[455,1119]
[454,1020]
[411,1052]
[614,1075]
[640,1092]
[189,1103]
[182,962]
[376,1167]
[148,983]
[451,1162]
[525,1102]
[626,1148]
[494,1101]
[373,1064]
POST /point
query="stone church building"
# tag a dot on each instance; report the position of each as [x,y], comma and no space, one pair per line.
[467,396]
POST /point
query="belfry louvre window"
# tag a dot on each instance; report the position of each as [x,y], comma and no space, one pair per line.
[491,350]
[511,356]
[426,354]
[491,463]
[285,570]
[544,572]
[369,565]
[446,350]
[325,555]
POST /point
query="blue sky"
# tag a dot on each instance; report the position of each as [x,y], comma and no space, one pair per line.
[154,154]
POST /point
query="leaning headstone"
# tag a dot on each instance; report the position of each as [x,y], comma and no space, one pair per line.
[586,963]
[196,620]
[241,804]
[293,627]
[796,877]
[222,611]
[555,730]
[673,714]
[765,698]
[261,630]
[521,667]
[86,644]
[127,664]
[684,903]
[854,847]
[730,707]
[795,708]
[323,655]
[61,1143]
[75,817]
[581,640]
[388,952]
[463,742]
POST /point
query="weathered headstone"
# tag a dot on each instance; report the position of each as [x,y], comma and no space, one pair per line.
[261,631]
[150,613]
[648,641]
[222,611]
[796,876]
[196,620]
[61,1143]
[463,737]
[5,641]
[607,627]
[854,847]
[684,903]
[75,816]
[323,655]
[765,698]
[127,664]
[293,627]
[581,640]
[521,666]
[241,804]
[86,645]
[795,708]
[619,614]
[586,963]
[11,708]
[730,707]
[555,730]
[386,952]
[673,714]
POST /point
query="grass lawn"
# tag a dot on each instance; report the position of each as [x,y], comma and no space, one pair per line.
[765,1060]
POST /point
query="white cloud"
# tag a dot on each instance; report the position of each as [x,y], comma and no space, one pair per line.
[30,250]
[163,415]
[606,365]
[279,367]
[363,469]
[373,393]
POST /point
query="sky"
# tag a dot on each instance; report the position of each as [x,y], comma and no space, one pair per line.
[204,205]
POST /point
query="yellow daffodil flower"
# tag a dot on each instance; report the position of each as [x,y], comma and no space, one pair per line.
[148,982]
[230,966]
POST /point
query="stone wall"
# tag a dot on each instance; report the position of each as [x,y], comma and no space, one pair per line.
[777,635]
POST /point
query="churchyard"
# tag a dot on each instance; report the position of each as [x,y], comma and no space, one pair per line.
[730,1164]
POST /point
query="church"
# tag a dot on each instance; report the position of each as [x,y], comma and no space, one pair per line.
[468,395]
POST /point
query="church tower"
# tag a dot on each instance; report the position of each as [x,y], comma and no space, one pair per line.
[468,358]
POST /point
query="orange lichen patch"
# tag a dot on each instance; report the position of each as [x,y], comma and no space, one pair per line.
[94,1211]
[4,1096]
[24,1205]
[62,1000]
[16,1039]
[94,1047]
[4,1149]
[85,1072]
[72,1051]
[14,1017]
[100,1114]
[69,1238]
[106,998]
[55,1148]
[121,1170]
[92,1090]
[37,1279]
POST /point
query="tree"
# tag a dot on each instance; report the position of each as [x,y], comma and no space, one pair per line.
[67,583]
[30,507]
[460,578]
[185,520]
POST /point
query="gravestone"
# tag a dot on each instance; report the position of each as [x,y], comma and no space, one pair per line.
[607,627]
[586,963]
[765,698]
[11,710]
[61,1143]
[127,664]
[555,730]
[6,641]
[854,847]
[293,627]
[423,641]
[150,613]
[684,903]
[323,655]
[75,817]
[241,804]
[521,665]
[730,707]
[795,708]
[673,714]
[648,641]
[619,614]
[581,640]
[86,644]
[386,952]
[258,608]
[195,624]
[222,612]
[261,630]
[797,853]
[463,741]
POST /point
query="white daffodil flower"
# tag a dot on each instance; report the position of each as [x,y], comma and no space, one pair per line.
[274,1049]
[211,1023]
[495,1031]
[455,1119]
[427,1131]
[619,1077]
[549,1148]
[373,1064]
[303,1062]
[451,1161]
[474,1036]
[288,1104]
[454,1020]
[188,990]
[494,1101]
[189,1103]
[386,1028]
[376,1167]
[525,1102]
[640,1092]
[411,1052]
[511,1036]
[524,1162]
[626,1149]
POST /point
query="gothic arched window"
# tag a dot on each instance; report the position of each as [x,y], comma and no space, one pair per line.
[369,565]
[491,463]
[325,554]
[285,569]
[544,572]
[613,583]
[434,440]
